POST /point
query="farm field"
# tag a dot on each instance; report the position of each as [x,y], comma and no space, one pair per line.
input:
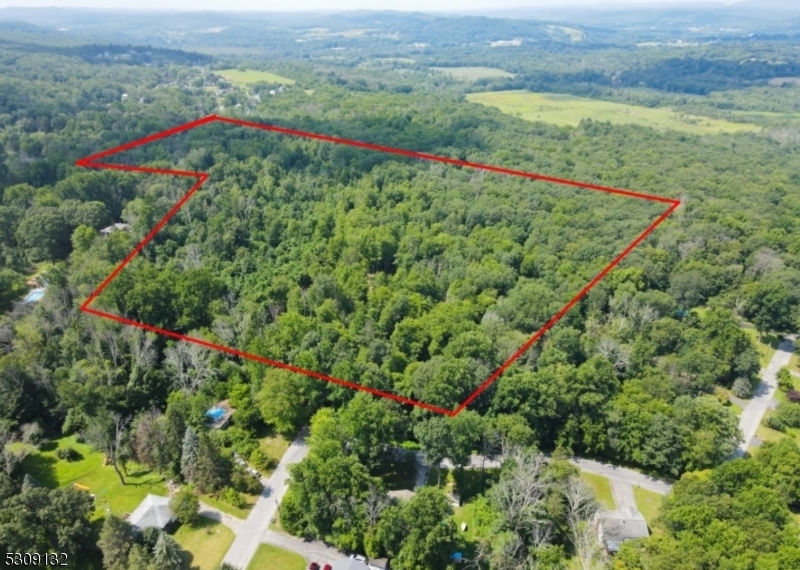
[473,73]
[568,110]
[245,78]
[205,544]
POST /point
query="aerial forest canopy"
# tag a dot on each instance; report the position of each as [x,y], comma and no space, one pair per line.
[410,277]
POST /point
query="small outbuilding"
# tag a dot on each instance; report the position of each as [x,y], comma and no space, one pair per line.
[379,564]
[153,511]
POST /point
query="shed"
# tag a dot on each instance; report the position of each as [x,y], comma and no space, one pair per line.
[379,564]
[153,511]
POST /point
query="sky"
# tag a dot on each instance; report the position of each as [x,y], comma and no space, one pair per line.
[298,5]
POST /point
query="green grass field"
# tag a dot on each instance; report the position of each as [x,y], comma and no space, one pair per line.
[245,78]
[274,446]
[473,73]
[569,110]
[648,503]
[272,558]
[89,471]
[602,489]
[205,544]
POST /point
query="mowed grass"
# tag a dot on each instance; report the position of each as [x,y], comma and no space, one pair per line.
[102,481]
[245,78]
[270,557]
[205,544]
[230,509]
[602,489]
[565,110]
[766,346]
[473,73]
[648,503]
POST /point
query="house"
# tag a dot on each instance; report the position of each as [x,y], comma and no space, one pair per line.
[615,527]
[350,564]
[105,232]
[379,564]
[220,414]
[153,511]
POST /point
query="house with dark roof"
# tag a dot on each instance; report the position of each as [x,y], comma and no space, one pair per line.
[615,527]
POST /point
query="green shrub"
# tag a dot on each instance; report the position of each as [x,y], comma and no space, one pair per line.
[233,498]
[68,454]
[785,380]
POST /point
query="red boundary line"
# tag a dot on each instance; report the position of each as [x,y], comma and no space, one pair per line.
[91,161]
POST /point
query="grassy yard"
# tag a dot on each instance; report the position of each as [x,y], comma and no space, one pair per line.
[768,434]
[648,503]
[89,471]
[602,489]
[780,395]
[274,446]
[205,544]
[245,78]
[766,346]
[569,110]
[473,73]
[230,509]
[794,363]
[272,558]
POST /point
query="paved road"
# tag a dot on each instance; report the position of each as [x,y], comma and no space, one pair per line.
[754,412]
[253,530]
[213,513]
[613,472]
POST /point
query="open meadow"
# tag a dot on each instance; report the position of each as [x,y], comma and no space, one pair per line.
[569,110]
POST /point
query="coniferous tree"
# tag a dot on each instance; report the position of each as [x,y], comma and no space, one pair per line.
[189,454]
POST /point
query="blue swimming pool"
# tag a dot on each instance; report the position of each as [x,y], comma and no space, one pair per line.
[34,296]
[215,414]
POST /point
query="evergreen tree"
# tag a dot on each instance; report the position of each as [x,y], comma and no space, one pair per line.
[167,554]
[189,454]
[115,542]
[212,469]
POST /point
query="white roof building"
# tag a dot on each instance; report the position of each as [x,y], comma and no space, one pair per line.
[153,511]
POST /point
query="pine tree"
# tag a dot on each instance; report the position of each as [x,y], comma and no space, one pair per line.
[115,542]
[189,455]
[167,554]
[212,470]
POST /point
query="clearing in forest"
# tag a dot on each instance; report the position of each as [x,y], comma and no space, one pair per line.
[473,73]
[569,110]
[440,345]
[244,78]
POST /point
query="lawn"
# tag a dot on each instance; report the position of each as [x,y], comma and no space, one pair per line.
[768,434]
[274,446]
[244,78]
[230,509]
[89,471]
[270,557]
[794,363]
[780,395]
[473,73]
[648,503]
[766,346]
[602,489]
[569,110]
[205,544]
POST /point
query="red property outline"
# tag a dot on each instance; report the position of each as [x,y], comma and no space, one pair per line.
[91,161]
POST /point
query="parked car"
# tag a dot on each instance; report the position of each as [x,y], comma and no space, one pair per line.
[327,567]
[358,557]
[313,566]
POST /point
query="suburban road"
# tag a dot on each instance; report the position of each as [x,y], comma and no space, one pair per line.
[613,472]
[754,412]
[253,530]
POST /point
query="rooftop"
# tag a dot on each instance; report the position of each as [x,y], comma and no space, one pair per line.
[615,527]
[153,511]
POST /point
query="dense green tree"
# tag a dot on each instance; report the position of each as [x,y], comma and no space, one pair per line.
[116,539]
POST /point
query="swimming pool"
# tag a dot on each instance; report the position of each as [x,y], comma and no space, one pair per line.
[215,413]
